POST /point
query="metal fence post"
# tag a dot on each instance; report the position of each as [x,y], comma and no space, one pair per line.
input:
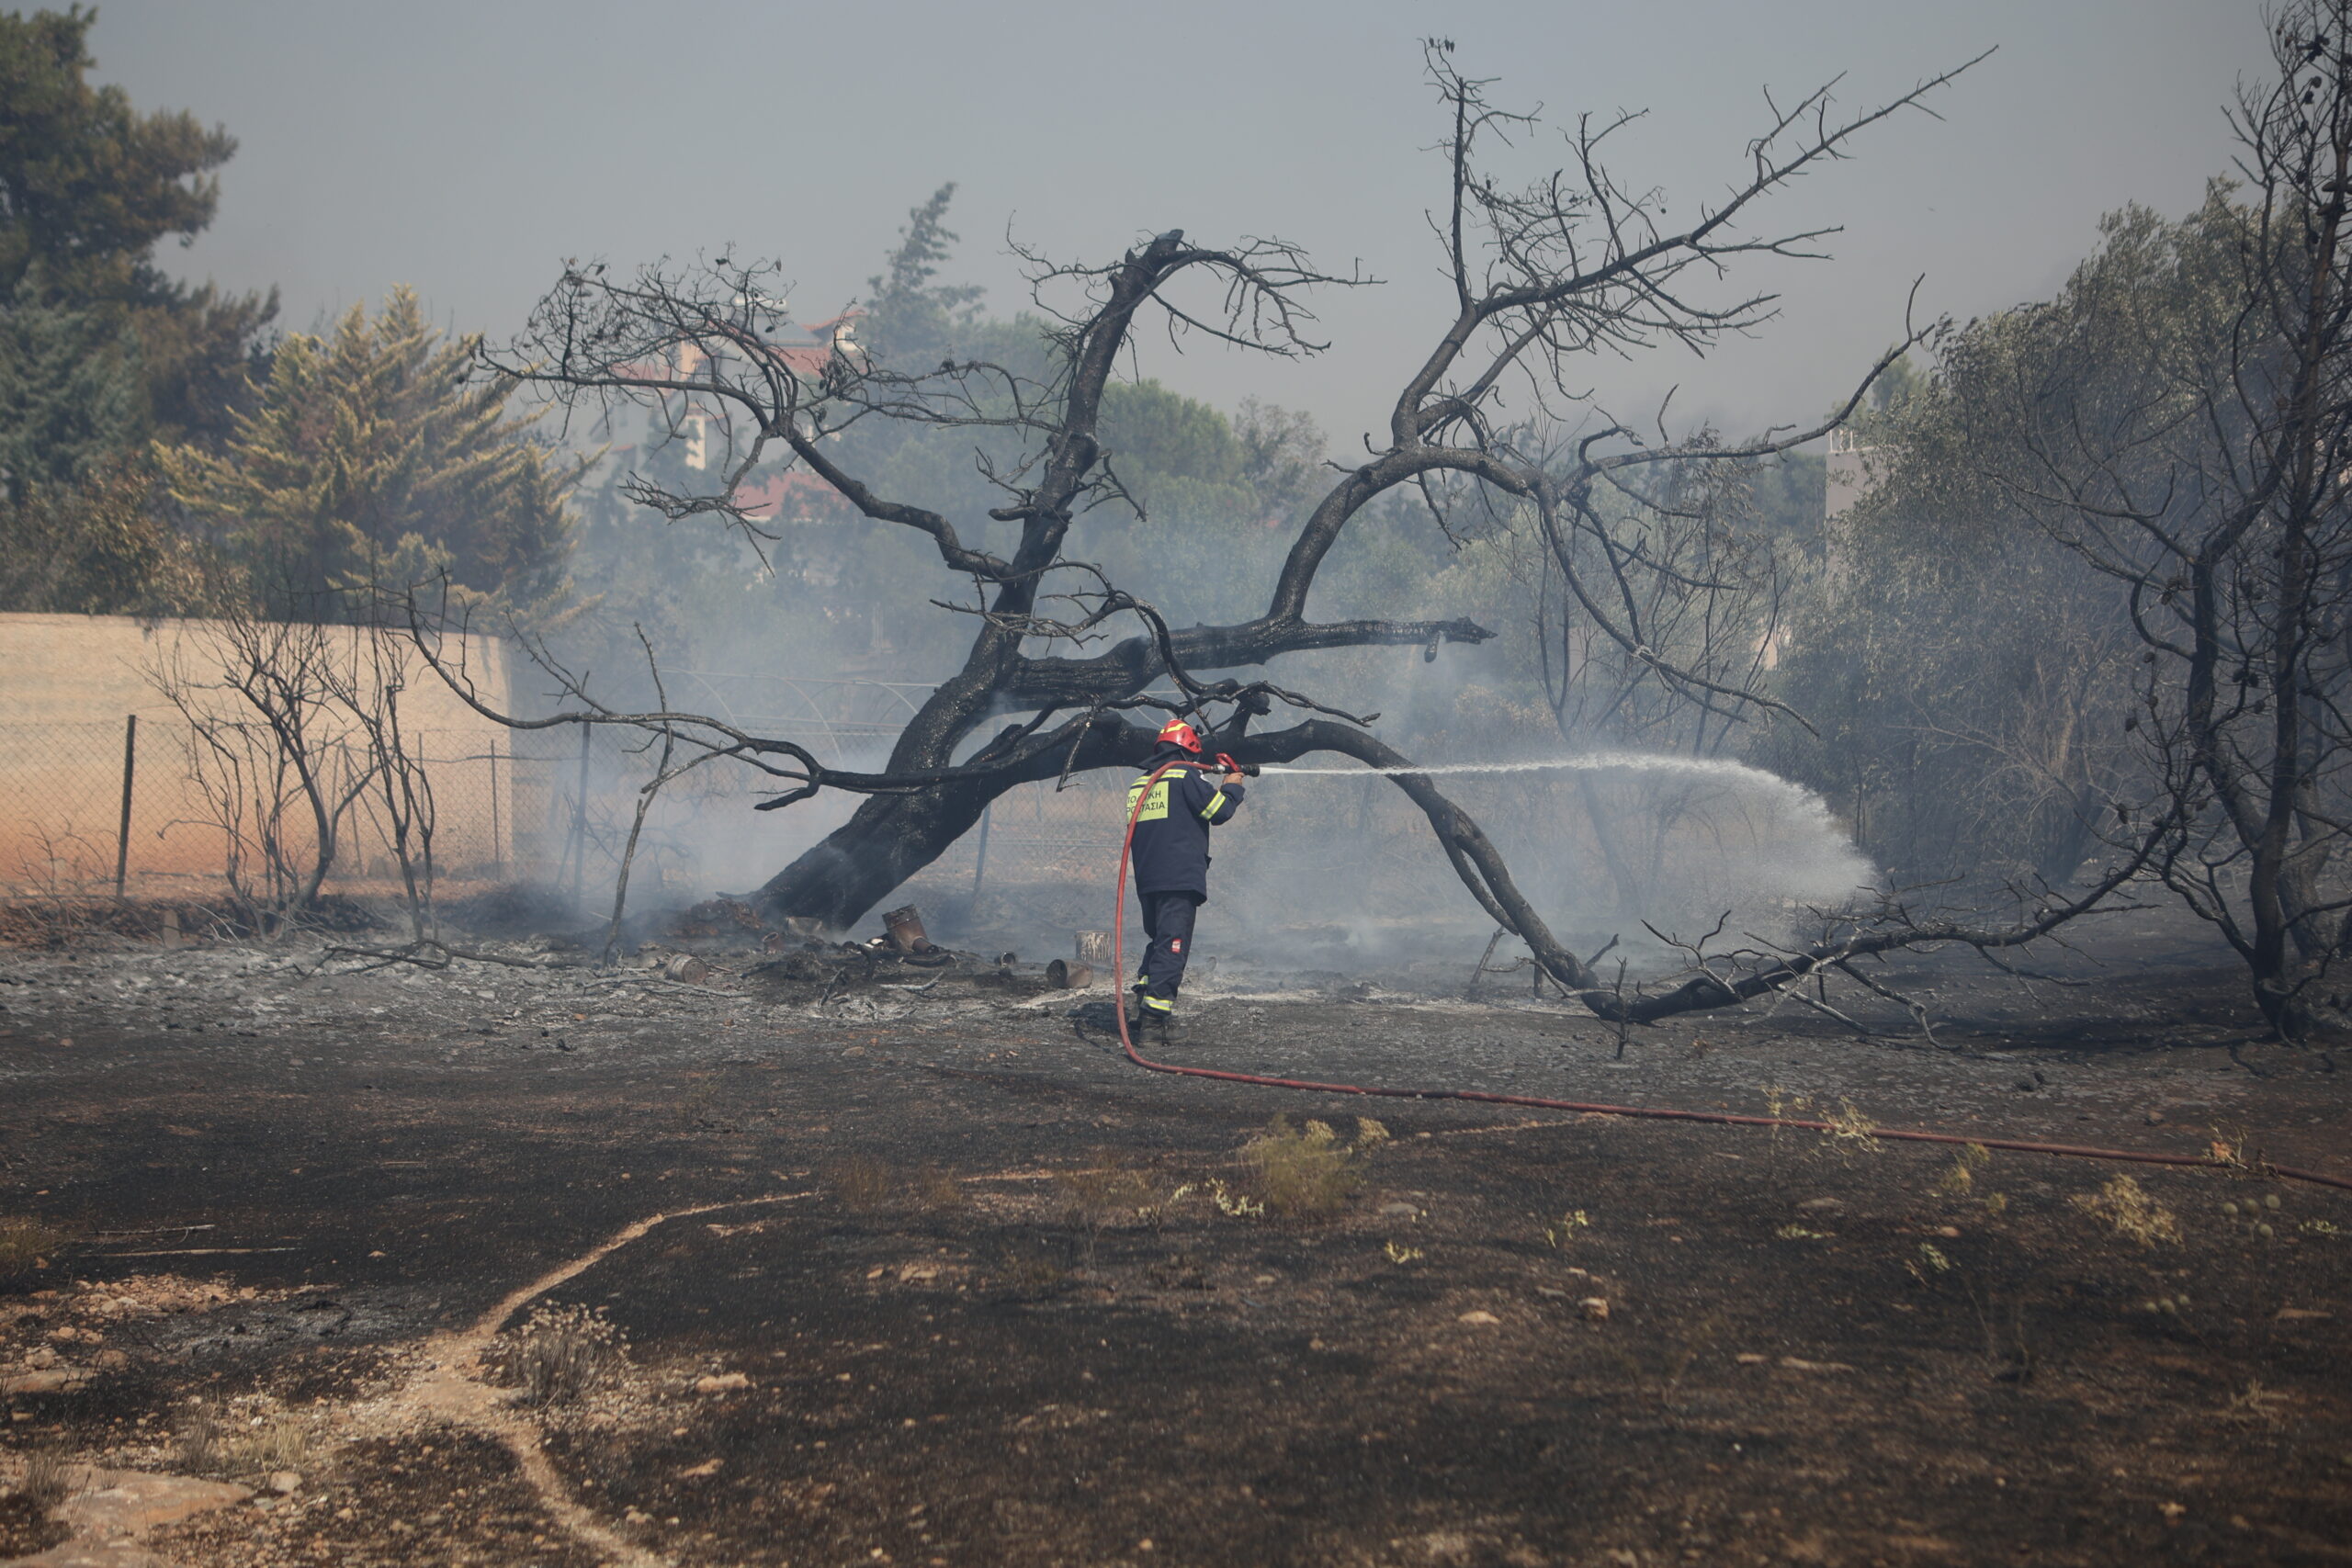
[980,865]
[129,766]
[497,849]
[580,820]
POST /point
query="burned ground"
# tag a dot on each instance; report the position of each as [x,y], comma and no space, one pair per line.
[946,1281]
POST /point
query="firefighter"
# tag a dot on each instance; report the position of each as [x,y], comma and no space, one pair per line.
[1170,853]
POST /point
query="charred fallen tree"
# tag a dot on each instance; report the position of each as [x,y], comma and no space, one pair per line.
[1728,977]
[1571,265]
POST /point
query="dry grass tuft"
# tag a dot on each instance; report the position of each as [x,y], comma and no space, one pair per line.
[2134,1215]
[48,1478]
[862,1182]
[215,1440]
[1960,1179]
[1103,1190]
[1107,1189]
[280,1442]
[1306,1172]
[562,1353]
[938,1190]
[201,1447]
[1031,1269]
[26,1241]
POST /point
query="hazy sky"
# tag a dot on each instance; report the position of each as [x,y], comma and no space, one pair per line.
[467,149]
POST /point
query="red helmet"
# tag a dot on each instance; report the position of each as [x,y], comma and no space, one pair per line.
[1176,732]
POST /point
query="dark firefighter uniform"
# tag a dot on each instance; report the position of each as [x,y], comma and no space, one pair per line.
[1170,853]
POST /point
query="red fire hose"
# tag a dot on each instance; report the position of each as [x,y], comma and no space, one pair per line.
[1654,1113]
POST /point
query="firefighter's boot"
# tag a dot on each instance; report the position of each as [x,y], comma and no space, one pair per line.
[1161,1014]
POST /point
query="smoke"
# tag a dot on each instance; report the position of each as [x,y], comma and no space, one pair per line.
[832,633]
[1332,867]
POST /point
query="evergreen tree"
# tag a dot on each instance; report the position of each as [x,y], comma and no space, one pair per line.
[374,458]
[103,547]
[912,321]
[98,349]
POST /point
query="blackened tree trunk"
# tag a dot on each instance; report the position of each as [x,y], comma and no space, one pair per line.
[887,840]
[1570,266]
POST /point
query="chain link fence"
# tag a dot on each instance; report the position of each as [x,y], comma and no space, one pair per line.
[124,806]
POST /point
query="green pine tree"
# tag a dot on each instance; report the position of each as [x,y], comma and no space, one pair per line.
[374,458]
[98,349]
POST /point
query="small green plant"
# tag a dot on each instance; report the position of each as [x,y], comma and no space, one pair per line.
[1932,1257]
[1851,1132]
[1232,1205]
[2134,1215]
[2320,1227]
[563,1351]
[1798,1232]
[1397,1254]
[1308,1173]
[1558,1236]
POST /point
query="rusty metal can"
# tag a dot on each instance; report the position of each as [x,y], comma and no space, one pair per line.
[905,926]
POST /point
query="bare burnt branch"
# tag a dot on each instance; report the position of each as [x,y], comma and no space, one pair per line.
[1576,264]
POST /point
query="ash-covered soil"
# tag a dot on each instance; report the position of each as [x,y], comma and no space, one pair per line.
[943,1279]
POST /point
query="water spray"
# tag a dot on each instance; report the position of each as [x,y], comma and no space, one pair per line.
[1591,761]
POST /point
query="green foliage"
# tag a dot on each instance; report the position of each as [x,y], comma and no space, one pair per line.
[1158,437]
[101,547]
[88,183]
[71,393]
[912,321]
[1971,676]
[99,351]
[1307,1172]
[373,459]
[98,347]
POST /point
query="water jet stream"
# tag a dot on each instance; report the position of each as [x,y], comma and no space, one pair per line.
[1591,762]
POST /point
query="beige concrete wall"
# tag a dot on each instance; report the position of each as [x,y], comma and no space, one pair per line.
[68,682]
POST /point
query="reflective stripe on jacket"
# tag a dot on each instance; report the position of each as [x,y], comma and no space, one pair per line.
[1172,840]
